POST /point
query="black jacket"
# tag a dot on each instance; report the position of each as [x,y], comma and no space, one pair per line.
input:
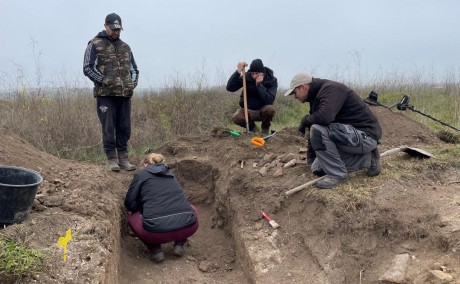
[334,102]
[158,196]
[258,96]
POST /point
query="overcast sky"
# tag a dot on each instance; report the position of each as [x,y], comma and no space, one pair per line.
[172,38]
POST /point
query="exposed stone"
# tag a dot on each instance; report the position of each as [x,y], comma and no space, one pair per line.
[268,158]
[397,271]
[52,201]
[278,172]
[263,171]
[287,157]
[291,163]
[439,277]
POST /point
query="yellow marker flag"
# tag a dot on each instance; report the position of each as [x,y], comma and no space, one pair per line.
[62,242]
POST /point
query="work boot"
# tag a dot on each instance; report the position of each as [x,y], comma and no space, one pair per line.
[178,250]
[113,162]
[265,131]
[374,169]
[123,161]
[113,165]
[253,128]
[157,256]
[330,181]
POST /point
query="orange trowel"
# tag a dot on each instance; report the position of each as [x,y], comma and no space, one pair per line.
[260,141]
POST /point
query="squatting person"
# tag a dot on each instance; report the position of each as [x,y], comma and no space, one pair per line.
[110,64]
[159,211]
[343,131]
[261,87]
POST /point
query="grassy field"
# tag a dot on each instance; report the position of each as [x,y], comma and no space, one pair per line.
[63,121]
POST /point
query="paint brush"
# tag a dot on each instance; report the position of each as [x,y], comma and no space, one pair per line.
[270,221]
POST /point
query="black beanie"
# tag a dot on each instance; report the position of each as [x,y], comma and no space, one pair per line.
[256,66]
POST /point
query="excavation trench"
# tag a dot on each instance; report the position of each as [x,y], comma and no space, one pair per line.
[211,254]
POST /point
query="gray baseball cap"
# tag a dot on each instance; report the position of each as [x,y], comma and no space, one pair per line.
[299,79]
[113,21]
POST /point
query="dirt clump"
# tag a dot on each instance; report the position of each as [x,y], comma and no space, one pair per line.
[350,234]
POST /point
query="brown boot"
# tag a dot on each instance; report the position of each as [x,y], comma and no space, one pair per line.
[124,163]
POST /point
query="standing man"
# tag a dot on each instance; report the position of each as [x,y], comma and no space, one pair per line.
[344,132]
[110,64]
[261,87]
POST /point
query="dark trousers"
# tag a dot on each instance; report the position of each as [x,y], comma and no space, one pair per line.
[153,241]
[264,114]
[115,116]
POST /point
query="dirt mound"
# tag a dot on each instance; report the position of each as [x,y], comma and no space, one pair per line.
[346,235]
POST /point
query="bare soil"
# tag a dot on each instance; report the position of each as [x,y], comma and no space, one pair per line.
[349,234]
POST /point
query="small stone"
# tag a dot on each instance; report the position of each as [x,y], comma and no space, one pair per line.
[263,171]
[437,276]
[291,163]
[278,172]
[288,157]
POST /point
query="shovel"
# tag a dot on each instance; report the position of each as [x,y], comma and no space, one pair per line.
[412,151]
[260,141]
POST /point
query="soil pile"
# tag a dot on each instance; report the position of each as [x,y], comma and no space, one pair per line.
[408,217]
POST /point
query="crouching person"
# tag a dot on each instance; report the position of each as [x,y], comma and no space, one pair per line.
[344,133]
[159,211]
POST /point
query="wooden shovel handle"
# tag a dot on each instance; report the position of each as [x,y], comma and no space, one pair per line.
[303,186]
[245,100]
[392,151]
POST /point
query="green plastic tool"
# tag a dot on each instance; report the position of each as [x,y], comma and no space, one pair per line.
[234,133]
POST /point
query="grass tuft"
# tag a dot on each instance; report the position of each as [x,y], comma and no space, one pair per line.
[18,261]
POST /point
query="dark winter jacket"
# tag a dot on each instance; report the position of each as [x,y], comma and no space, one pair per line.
[334,102]
[158,196]
[257,96]
[111,66]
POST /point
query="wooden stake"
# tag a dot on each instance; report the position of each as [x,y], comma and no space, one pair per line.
[303,186]
[245,100]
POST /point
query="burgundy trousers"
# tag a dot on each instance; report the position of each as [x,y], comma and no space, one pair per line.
[152,240]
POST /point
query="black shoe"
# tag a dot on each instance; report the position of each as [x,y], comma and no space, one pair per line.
[158,256]
[178,250]
[330,181]
[374,169]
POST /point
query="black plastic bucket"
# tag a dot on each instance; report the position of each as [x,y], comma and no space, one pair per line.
[18,187]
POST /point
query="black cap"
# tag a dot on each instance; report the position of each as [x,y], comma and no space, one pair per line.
[113,21]
[256,66]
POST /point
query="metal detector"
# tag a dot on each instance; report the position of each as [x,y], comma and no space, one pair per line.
[373,98]
[404,104]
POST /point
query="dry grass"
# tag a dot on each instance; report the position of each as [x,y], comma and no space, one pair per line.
[63,121]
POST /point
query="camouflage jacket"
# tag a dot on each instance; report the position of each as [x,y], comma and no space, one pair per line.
[110,65]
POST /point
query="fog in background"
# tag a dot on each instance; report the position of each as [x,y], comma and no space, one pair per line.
[182,40]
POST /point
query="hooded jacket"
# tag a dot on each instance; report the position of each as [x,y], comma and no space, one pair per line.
[334,102]
[257,95]
[111,66]
[155,192]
